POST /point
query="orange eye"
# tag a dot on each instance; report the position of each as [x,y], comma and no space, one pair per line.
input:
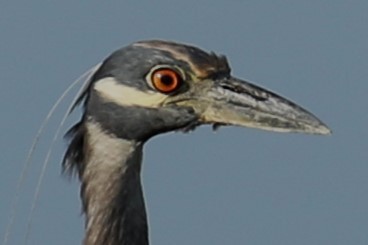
[166,80]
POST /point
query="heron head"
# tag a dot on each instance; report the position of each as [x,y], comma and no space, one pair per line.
[152,87]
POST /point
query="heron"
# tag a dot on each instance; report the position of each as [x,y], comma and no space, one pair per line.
[149,88]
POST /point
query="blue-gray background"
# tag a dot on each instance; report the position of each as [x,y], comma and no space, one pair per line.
[236,186]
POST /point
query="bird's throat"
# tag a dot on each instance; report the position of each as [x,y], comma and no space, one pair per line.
[111,190]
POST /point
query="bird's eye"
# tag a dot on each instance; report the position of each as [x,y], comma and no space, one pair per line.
[166,80]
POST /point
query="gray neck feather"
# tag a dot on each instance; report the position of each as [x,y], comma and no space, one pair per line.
[112,191]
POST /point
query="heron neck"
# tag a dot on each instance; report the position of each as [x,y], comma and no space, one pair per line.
[112,191]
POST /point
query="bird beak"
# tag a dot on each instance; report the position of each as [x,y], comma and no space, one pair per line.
[231,101]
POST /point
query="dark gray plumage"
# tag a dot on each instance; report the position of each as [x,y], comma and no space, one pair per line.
[149,88]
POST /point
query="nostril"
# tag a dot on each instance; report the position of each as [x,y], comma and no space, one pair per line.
[253,92]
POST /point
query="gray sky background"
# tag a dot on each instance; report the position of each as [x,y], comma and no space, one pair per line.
[235,186]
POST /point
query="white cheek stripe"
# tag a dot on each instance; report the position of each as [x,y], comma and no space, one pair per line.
[111,90]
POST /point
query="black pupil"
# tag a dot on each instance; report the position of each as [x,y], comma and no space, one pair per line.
[167,80]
